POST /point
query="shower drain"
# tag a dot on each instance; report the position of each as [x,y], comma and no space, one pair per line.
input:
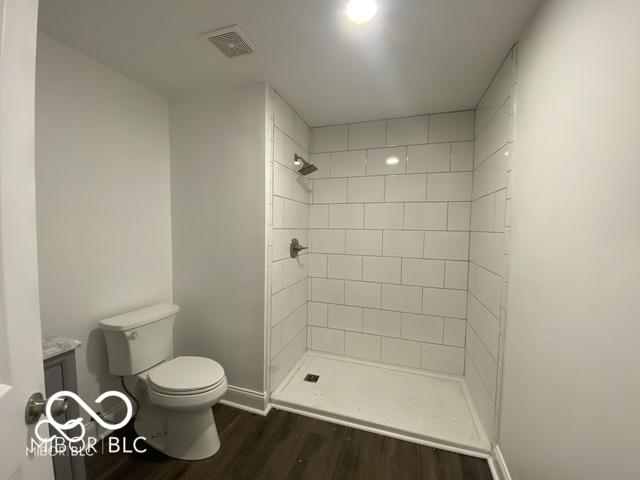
[310,377]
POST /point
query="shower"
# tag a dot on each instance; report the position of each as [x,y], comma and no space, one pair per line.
[306,167]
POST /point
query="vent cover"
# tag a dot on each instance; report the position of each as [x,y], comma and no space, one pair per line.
[231,41]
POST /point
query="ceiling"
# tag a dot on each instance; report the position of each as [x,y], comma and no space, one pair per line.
[415,56]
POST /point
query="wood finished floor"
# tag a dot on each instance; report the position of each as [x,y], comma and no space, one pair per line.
[288,446]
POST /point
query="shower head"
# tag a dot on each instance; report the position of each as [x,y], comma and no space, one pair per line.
[306,168]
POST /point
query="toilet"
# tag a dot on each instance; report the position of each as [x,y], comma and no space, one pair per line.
[175,394]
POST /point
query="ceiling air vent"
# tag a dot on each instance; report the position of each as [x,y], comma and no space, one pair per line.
[231,41]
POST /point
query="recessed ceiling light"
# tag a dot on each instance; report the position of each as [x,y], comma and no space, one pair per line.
[393,161]
[361,11]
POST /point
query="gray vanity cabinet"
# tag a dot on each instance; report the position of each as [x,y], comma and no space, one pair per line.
[60,374]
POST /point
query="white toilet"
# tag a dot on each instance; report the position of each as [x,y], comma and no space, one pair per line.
[176,395]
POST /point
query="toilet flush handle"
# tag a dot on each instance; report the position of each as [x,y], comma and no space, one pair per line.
[133,335]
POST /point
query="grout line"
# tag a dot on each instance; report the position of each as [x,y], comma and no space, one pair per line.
[491,155]
[482,266]
[474,360]
[484,306]
[382,284]
[418,144]
[444,285]
[410,340]
[467,110]
[481,197]
[386,132]
[447,216]
[378,175]
[496,110]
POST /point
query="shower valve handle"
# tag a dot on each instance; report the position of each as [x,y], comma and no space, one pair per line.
[295,248]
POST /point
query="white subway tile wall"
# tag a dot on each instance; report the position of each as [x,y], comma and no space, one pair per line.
[488,264]
[389,230]
[288,196]
[367,134]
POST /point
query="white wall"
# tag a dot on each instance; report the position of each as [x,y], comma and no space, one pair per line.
[103,201]
[571,405]
[290,194]
[390,243]
[218,212]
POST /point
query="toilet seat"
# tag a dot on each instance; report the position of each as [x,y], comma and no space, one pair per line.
[186,376]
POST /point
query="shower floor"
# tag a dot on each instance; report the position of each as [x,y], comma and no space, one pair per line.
[413,405]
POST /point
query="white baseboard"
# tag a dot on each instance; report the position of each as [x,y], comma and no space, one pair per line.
[497,465]
[246,399]
[237,397]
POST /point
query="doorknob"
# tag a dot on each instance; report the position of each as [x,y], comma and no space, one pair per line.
[36,405]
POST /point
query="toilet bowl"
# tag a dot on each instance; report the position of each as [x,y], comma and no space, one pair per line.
[175,394]
[183,391]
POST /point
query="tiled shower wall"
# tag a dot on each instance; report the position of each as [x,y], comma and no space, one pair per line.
[288,197]
[489,265]
[389,228]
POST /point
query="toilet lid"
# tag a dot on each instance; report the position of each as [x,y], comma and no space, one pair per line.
[186,374]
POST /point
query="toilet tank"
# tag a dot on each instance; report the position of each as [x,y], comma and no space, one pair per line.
[138,340]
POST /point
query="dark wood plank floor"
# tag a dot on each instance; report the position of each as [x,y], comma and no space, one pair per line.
[292,447]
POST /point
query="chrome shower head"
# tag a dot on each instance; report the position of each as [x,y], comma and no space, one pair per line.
[306,168]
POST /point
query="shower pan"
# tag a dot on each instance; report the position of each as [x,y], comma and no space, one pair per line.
[409,404]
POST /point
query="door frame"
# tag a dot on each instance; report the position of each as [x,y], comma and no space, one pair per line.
[21,365]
